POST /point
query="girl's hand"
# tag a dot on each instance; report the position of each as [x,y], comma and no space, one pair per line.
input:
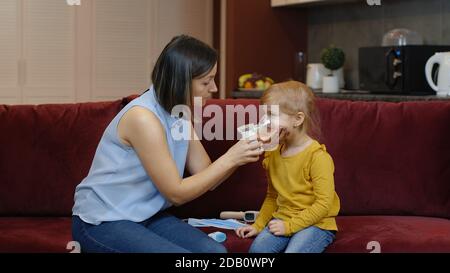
[276,227]
[244,151]
[246,232]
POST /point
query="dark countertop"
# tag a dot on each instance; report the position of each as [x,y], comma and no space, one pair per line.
[350,95]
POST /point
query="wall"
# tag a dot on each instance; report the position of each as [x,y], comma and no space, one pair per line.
[355,25]
[262,39]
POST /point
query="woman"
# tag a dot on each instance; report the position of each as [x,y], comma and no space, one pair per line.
[137,171]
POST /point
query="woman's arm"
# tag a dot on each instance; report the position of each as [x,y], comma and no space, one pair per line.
[198,159]
[142,130]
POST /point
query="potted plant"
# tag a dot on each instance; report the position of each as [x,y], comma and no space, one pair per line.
[333,59]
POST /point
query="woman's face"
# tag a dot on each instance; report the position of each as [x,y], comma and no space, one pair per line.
[204,87]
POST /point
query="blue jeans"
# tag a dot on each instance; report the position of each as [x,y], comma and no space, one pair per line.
[308,240]
[162,233]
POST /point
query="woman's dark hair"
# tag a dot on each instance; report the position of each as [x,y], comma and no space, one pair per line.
[183,59]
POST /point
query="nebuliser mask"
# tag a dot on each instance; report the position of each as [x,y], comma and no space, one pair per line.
[261,132]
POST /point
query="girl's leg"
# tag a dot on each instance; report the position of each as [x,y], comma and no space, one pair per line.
[310,240]
[182,234]
[120,236]
[266,242]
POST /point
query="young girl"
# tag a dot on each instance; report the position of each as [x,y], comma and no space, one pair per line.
[298,213]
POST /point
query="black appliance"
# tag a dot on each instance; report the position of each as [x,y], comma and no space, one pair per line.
[396,69]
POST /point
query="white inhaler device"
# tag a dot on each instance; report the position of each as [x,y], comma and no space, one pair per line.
[253,131]
[250,131]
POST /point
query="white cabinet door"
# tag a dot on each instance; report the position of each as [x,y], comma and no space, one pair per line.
[10,52]
[48,51]
[130,35]
[192,17]
[52,52]
[36,51]
[121,47]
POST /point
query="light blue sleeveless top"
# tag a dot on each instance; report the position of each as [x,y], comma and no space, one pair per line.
[117,186]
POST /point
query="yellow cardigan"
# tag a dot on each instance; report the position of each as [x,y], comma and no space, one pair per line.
[300,190]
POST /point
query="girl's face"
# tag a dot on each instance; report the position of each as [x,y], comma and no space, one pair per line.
[204,87]
[285,123]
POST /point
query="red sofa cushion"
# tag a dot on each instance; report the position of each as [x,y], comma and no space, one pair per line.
[35,234]
[391,158]
[46,151]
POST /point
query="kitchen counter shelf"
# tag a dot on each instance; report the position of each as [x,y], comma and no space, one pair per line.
[350,95]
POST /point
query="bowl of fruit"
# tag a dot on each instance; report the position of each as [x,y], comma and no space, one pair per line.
[254,82]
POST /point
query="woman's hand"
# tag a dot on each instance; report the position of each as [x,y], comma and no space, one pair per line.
[244,151]
[276,227]
[246,232]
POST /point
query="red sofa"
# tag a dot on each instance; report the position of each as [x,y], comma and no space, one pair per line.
[392,174]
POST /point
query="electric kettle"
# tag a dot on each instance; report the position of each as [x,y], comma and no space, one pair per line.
[442,87]
[314,75]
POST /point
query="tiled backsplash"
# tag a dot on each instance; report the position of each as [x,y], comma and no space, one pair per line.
[355,25]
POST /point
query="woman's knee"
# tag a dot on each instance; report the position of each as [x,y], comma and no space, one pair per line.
[87,242]
[210,246]
[219,248]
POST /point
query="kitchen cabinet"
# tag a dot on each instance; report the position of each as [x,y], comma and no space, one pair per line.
[54,52]
[37,55]
[130,35]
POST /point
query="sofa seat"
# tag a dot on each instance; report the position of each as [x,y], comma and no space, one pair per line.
[35,234]
[394,233]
